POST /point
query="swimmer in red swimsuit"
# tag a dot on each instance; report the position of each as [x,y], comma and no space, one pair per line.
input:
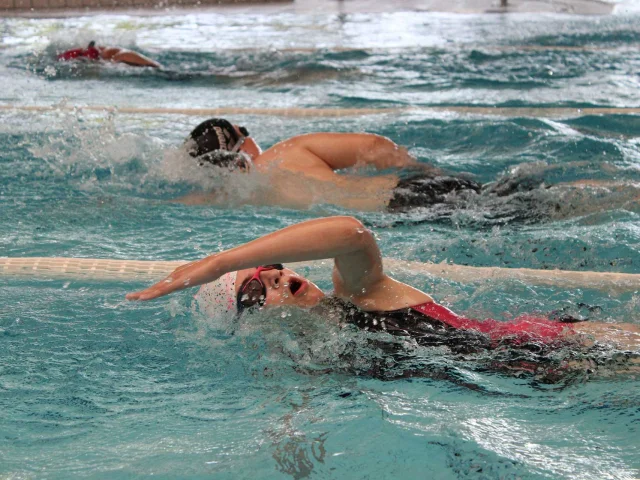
[248,276]
[110,54]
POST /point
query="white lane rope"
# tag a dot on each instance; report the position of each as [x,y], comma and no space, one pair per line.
[142,270]
[331,112]
[212,112]
[85,268]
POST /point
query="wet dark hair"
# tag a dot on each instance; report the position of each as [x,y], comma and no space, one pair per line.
[215,134]
[92,44]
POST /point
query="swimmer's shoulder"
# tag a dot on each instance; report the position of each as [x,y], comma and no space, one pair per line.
[291,154]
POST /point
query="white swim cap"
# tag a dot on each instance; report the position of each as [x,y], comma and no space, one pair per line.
[218,297]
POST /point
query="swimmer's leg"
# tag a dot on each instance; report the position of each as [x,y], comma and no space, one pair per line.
[625,336]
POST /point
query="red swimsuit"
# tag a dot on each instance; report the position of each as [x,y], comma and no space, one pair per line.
[526,328]
[91,53]
[433,324]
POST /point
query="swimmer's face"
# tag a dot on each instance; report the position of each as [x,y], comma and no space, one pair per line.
[283,287]
[250,147]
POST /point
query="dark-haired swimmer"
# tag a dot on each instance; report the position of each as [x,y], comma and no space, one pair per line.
[316,158]
[108,54]
[250,276]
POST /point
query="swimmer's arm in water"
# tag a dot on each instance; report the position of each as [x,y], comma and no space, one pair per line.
[344,150]
[121,55]
[135,59]
[289,198]
[358,269]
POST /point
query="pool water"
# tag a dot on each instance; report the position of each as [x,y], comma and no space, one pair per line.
[94,386]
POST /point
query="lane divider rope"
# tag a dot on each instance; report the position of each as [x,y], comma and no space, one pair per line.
[146,270]
[280,112]
[335,112]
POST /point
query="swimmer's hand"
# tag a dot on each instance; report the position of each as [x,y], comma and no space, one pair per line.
[190,275]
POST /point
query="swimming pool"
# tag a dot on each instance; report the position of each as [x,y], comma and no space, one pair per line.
[93,386]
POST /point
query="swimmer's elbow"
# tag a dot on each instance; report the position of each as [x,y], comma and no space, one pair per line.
[379,143]
[385,153]
[348,222]
[354,231]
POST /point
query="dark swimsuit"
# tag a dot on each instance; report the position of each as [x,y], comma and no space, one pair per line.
[427,190]
[443,197]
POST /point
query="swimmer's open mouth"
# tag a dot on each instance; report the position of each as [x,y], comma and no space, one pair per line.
[294,285]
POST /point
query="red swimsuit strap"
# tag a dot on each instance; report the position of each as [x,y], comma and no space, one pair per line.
[522,329]
[443,314]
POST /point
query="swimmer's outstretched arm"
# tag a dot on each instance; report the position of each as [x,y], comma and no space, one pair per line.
[135,59]
[122,55]
[358,262]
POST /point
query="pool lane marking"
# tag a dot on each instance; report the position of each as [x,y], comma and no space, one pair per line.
[105,269]
[283,112]
[606,281]
[338,112]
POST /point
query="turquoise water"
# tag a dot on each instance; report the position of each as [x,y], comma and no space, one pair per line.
[93,386]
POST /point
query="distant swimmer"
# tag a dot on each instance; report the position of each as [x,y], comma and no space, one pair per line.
[108,54]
